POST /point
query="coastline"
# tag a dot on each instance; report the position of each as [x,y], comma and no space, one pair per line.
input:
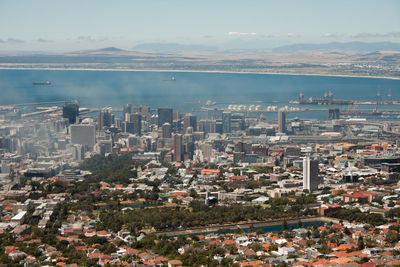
[203,71]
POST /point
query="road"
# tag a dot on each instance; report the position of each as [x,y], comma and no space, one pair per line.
[216,228]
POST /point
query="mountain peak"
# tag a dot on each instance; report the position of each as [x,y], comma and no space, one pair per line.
[111,49]
[172,47]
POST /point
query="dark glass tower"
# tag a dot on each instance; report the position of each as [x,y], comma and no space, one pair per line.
[71,112]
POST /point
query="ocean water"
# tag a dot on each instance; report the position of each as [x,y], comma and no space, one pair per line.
[187,93]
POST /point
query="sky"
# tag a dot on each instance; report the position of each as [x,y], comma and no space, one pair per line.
[61,25]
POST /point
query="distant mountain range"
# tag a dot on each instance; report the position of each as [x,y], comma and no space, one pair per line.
[322,59]
[357,47]
[172,47]
[361,47]
[157,55]
[111,49]
[240,47]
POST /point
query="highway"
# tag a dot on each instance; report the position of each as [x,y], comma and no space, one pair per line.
[37,103]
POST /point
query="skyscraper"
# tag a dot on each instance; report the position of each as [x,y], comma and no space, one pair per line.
[144,111]
[226,122]
[237,122]
[207,126]
[281,121]
[133,123]
[83,134]
[164,115]
[310,174]
[166,130]
[178,147]
[219,127]
[189,120]
[127,109]
[104,119]
[215,114]
[333,114]
[71,112]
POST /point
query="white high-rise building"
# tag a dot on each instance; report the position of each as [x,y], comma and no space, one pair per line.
[310,174]
[281,121]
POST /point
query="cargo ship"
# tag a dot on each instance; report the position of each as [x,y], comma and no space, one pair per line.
[172,79]
[42,83]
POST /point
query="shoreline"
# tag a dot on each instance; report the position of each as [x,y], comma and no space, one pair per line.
[203,71]
[241,225]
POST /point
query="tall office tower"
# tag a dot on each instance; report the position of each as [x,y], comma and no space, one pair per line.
[104,119]
[189,130]
[83,134]
[118,122]
[310,174]
[281,121]
[226,122]
[166,130]
[207,126]
[189,148]
[71,111]
[133,123]
[219,127]
[215,114]
[164,115]
[177,116]
[237,122]
[127,117]
[144,111]
[243,147]
[189,120]
[127,109]
[178,147]
[104,146]
[137,120]
[333,114]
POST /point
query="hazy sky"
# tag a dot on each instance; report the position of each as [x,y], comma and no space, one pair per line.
[83,24]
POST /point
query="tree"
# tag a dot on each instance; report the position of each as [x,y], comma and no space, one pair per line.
[285,225]
[326,191]
[325,248]
[108,248]
[256,247]
[239,231]
[260,232]
[236,172]
[300,224]
[392,213]
[360,243]
[193,193]
[251,228]
[347,231]
[392,237]
[22,181]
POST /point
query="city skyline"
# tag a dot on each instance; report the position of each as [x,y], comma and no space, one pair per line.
[214,133]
